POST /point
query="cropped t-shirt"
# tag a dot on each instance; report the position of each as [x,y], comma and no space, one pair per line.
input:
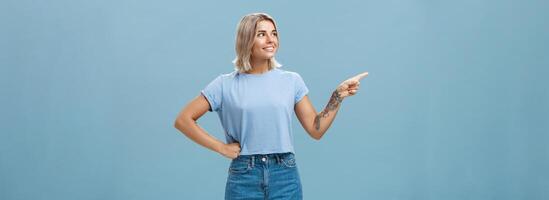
[256,110]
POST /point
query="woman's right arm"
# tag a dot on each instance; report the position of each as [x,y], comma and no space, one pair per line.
[186,123]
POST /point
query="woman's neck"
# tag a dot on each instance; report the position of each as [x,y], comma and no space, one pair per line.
[259,67]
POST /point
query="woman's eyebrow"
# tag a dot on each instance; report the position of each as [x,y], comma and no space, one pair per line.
[274,30]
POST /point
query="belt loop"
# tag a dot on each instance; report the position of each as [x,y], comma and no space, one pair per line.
[278,158]
[253,161]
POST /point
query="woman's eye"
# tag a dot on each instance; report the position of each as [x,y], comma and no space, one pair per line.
[261,34]
[275,34]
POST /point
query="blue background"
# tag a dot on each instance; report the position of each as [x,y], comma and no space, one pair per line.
[456,105]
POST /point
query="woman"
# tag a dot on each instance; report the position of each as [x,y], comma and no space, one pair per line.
[255,104]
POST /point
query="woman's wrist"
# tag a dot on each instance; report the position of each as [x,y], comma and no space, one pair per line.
[334,101]
[218,147]
[337,96]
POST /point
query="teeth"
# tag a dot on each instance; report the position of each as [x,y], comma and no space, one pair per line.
[269,48]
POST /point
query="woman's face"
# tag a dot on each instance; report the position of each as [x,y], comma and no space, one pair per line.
[265,41]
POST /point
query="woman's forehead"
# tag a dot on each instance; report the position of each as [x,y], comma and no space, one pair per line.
[265,25]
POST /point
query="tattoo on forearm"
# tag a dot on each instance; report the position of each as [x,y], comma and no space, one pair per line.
[334,102]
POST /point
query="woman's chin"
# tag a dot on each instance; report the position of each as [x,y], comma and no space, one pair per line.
[269,55]
[266,56]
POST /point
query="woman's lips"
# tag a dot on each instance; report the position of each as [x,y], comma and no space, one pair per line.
[269,48]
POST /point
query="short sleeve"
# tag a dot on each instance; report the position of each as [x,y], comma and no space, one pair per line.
[214,93]
[300,89]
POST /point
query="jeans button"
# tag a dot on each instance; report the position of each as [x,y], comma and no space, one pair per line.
[263,159]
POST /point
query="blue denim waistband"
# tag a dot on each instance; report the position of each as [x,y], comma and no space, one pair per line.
[278,157]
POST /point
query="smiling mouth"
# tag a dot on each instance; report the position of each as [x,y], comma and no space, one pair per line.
[269,49]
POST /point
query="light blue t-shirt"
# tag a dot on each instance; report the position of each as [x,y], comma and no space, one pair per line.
[256,109]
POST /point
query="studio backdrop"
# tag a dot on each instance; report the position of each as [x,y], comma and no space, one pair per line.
[456,104]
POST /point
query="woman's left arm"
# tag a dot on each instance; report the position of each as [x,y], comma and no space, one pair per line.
[316,124]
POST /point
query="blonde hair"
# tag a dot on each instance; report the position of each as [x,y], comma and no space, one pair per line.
[245,40]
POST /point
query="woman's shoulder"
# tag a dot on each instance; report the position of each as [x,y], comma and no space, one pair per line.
[287,72]
[235,74]
[290,74]
[225,76]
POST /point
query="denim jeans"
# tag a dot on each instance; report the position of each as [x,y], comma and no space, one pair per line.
[261,177]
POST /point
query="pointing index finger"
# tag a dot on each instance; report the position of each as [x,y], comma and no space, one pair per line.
[361,76]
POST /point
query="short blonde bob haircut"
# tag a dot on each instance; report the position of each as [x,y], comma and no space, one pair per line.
[245,36]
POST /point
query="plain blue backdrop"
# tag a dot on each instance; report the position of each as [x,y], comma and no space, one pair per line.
[456,105]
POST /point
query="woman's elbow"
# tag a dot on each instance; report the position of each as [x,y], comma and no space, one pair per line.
[315,134]
[178,124]
[181,122]
[317,138]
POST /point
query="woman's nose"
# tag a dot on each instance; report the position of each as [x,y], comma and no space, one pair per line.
[269,38]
